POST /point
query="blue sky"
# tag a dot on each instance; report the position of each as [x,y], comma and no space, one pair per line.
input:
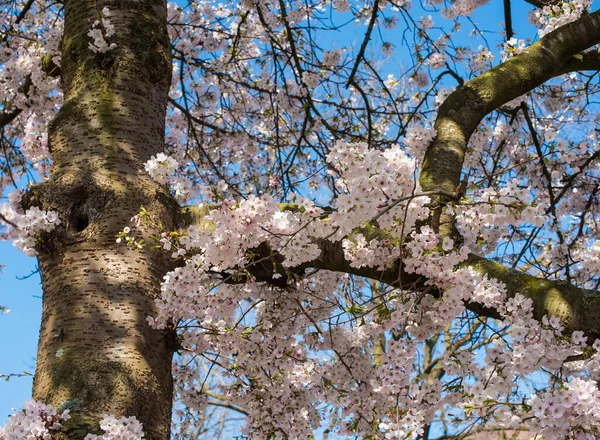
[19,328]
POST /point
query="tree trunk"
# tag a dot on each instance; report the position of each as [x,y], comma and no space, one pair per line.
[97,355]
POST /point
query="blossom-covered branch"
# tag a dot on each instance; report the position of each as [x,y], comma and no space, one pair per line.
[577,308]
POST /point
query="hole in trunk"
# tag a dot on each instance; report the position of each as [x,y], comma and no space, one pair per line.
[80,222]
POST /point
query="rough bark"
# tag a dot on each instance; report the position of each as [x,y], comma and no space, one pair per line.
[97,355]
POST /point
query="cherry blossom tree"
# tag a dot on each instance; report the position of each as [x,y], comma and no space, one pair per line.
[248,226]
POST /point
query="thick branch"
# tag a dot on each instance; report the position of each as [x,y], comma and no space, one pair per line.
[581,62]
[464,109]
[541,4]
[577,308]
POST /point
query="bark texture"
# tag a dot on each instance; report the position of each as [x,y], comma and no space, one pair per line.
[97,355]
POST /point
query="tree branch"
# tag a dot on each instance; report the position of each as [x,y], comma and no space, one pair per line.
[365,43]
[581,62]
[541,3]
[508,20]
[555,54]
[464,109]
[577,308]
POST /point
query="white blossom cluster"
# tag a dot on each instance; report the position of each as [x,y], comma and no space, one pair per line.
[35,145]
[481,60]
[553,16]
[235,229]
[39,421]
[310,79]
[578,400]
[27,226]
[511,48]
[587,256]
[484,218]
[36,421]
[162,168]
[375,184]
[124,428]
[100,32]
[463,8]
[436,60]
[417,139]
